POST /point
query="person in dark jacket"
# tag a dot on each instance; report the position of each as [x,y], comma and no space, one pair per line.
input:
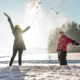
[18,42]
[62,47]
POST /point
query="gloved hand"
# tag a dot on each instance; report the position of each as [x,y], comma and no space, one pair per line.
[6,15]
[9,19]
[76,44]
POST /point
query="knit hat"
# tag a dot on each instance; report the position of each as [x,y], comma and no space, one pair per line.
[62,32]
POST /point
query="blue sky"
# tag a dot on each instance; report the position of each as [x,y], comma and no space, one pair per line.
[69,7]
[16,7]
[13,7]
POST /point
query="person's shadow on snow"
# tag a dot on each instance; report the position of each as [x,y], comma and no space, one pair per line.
[11,73]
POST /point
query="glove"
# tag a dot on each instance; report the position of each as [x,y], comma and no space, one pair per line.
[76,44]
[9,19]
[6,15]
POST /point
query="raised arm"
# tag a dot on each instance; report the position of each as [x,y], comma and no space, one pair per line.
[73,42]
[11,24]
[26,29]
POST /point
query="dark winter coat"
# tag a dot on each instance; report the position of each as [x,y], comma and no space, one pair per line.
[18,42]
[63,42]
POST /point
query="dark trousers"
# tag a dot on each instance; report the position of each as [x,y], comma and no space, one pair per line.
[14,54]
[62,57]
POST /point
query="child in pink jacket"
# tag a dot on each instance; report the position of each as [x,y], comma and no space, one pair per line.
[62,47]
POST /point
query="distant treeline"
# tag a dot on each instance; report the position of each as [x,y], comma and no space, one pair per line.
[72,30]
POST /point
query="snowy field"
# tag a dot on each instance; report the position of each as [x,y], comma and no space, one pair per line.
[40,71]
[55,72]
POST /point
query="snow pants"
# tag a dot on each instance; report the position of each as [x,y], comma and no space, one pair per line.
[14,54]
[62,57]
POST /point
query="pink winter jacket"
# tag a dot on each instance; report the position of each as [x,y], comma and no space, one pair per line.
[63,42]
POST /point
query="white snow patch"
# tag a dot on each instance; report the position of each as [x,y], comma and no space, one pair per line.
[55,72]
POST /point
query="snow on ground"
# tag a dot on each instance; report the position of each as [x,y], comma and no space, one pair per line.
[51,72]
[31,71]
